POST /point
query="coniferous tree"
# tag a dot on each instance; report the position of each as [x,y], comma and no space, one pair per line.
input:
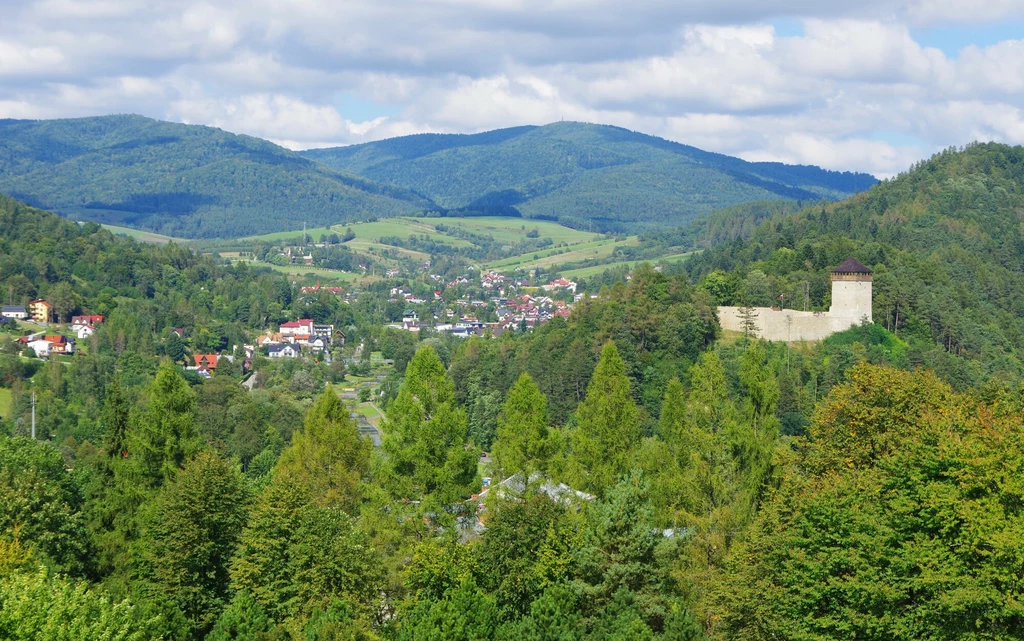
[115,419]
[189,536]
[525,442]
[167,435]
[607,427]
[327,457]
[425,437]
[175,347]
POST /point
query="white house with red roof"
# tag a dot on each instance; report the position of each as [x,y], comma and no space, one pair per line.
[301,327]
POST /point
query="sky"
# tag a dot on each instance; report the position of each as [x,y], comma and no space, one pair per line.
[873,85]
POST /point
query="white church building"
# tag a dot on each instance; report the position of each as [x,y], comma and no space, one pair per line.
[851,305]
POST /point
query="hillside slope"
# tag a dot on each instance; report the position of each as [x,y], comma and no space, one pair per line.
[947,245]
[580,173]
[181,180]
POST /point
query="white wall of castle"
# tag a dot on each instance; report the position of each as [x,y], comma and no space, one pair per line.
[851,303]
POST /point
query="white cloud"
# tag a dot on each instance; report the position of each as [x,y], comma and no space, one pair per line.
[717,75]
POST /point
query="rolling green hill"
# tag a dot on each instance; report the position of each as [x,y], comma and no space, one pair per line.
[181,180]
[591,176]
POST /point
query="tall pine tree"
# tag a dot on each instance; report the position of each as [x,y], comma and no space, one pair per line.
[167,436]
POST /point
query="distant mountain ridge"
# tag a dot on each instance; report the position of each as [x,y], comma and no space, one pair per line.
[196,181]
[579,172]
[181,180]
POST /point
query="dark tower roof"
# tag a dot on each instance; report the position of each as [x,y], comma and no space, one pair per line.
[851,266]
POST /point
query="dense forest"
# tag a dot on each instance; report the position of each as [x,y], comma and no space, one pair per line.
[649,478]
[947,246]
[181,180]
[583,175]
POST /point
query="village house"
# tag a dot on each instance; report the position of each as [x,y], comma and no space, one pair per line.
[205,362]
[40,311]
[86,319]
[560,283]
[282,351]
[51,344]
[273,338]
[301,327]
[17,312]
[83,331]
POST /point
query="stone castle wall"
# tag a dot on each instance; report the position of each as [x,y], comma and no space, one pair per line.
[788,325]
[851,304]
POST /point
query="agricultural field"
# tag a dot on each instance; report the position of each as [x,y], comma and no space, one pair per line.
[513,230]
[586,272]
[402,228]
[326,275]
[570,245]
[5,402]
[143,236]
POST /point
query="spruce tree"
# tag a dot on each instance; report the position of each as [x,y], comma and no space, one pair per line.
[175,348]
[607,427]
[115,419]
[189,536]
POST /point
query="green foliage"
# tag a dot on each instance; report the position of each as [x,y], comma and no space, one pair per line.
[40,505]
[525,442]
[918,538]
[167,434]
[38,606]
[189,536]
[527,547]
[295,557]
[464,614]
[619,561]
[425,451]
[245,620]
[328,458]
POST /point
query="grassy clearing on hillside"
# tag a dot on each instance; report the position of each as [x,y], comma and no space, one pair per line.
[514,230]
[402,228]
[325,275]
[586,251]
[143,236]
[313,233]
[5,402]
[586,272]
[528,259]
[364,246]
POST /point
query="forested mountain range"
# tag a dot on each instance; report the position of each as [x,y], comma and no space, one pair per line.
[199,182]
[582,174]
[182,180]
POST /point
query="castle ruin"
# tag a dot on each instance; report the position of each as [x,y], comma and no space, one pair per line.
[851,304]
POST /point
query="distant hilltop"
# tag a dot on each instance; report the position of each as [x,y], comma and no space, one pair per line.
[582,174]
[191,181]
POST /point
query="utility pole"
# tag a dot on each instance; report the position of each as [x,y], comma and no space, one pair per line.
[33,416]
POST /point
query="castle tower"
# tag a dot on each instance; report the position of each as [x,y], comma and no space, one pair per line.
[851,290]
